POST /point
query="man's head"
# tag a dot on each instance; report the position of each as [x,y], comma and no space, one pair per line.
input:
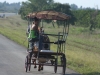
[36,21]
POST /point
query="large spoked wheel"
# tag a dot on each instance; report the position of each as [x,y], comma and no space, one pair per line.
[63,65]
[55,65]
[27,64]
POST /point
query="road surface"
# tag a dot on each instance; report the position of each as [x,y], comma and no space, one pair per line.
[12,57]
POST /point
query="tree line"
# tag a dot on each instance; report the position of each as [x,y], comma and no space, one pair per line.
[34,5]
[85,17]
[80,16]
[9,7]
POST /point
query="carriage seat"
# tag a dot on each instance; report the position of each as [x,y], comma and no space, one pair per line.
[46,54]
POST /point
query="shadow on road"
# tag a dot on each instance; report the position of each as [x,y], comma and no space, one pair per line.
[93,73]
[49,73]
[72,74]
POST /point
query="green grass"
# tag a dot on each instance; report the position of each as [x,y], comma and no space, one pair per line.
[82,48]
[14,28]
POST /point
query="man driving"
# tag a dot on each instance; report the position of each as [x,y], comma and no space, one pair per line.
[34,33]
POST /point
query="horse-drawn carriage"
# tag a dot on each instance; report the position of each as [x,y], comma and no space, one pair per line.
[44,55]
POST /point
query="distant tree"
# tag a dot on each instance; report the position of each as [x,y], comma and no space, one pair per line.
[34,5]
[98,20]
[6,7]
[74,7]
[93,21]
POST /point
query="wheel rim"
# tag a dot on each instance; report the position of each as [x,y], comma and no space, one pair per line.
[29,65]
[64,66]
[26,63]
[55,66]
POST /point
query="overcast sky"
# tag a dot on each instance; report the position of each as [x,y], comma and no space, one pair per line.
[83,3]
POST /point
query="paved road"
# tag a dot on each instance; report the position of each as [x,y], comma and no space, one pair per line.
[12,58]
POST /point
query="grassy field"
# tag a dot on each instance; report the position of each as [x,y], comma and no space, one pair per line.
[82,48]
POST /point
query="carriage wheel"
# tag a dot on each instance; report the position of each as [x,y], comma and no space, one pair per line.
[26,63]
[63,66]
[29,62]
[29,65]
[55,65]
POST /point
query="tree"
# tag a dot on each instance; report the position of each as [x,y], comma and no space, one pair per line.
[74,7]
[6,7]
[93,21]
[34,5]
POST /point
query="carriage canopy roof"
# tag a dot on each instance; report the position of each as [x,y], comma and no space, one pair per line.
[53,15]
